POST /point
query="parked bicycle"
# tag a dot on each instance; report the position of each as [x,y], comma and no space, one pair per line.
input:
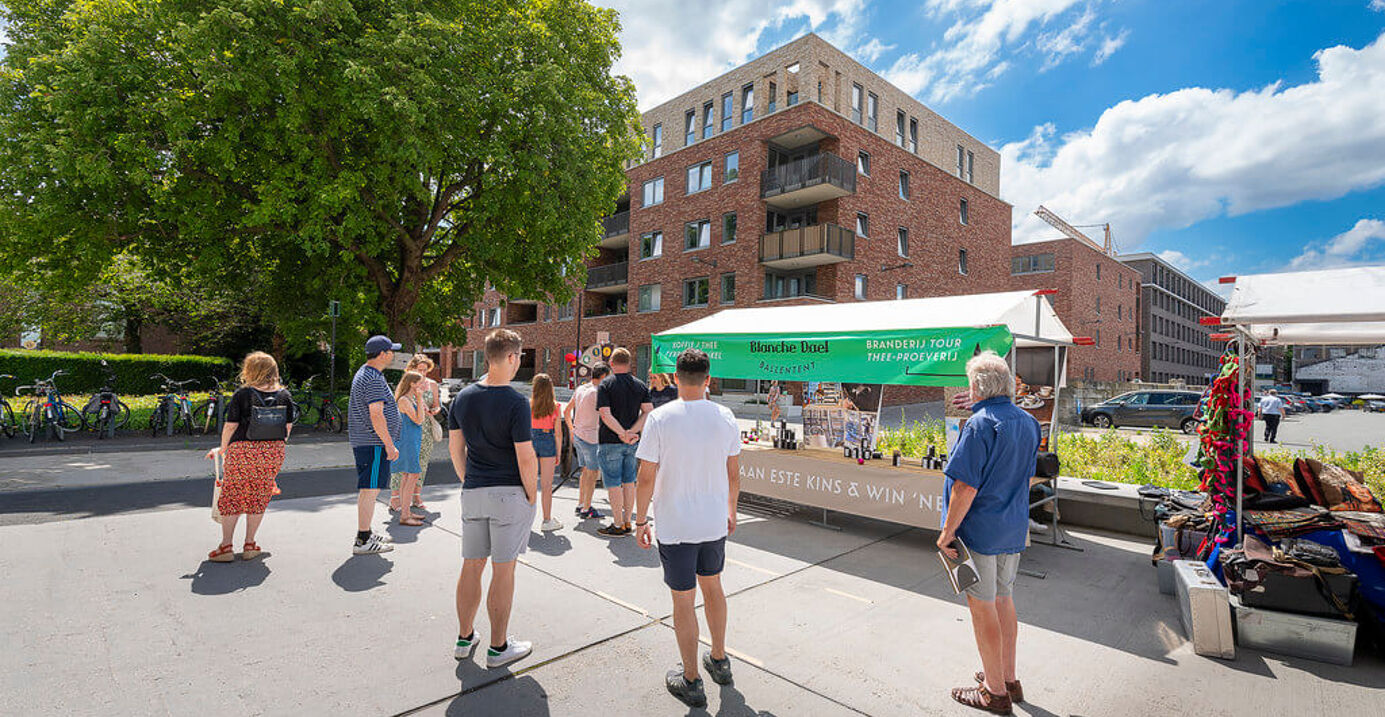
[45,410]
[174,412]
[210,415]
[105,413]
[318,410]
[8,423]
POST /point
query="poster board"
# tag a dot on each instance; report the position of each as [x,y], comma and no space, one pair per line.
[837,414]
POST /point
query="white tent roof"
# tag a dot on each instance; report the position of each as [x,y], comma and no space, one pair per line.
[1028,316]
[1330,306]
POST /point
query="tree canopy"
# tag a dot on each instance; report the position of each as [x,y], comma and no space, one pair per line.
[392,154]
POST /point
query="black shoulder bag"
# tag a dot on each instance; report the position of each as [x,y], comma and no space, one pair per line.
[267,423]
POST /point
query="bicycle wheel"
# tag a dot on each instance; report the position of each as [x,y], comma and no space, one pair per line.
[307,415]
[70,419]
[331,418]
[183,421]
[157,419]
[55,423]
[33,417]
[122,415]
[7,421]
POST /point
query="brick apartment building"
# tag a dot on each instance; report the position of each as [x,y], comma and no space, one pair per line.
[1097,297]
[1176,346]
[800,177]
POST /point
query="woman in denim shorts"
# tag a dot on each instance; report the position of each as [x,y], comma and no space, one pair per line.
[548,441]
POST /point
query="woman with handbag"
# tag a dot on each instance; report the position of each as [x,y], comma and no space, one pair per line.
[432,433]
[259,418]
[413,411]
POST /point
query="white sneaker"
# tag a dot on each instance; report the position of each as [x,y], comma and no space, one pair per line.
[465,648]
[551,524]
[514,650]
[1037,527]
[373,545]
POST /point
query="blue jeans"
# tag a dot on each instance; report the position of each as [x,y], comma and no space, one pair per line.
[618,464]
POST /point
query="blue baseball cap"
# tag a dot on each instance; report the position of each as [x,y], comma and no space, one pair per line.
[380,344]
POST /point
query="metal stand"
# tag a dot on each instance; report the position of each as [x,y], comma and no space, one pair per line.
[823,523]
[1058,538]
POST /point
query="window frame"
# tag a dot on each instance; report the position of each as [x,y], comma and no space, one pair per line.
[963,212]
[858,101]
[657,246]
[914,135]
[863,222]
[747,108]
[726,169]
[863,162]
[706,289]
[905,192]
[690,127]
[872,111]
[902,244]
[721,291]
[728,110]
[735,227]
[657,150]
[658,182]
[708,124]
[962,267]
[704,231]
[860,287]
[701,174]
[656,294]
[901,292]
[899,122]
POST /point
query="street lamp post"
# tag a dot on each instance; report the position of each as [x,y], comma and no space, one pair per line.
[333,310]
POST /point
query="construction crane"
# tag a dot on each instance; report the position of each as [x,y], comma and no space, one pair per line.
[1072,232]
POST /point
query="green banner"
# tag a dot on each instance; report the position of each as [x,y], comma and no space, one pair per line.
[920,357]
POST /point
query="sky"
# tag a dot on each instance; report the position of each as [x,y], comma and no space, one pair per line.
[1228,136]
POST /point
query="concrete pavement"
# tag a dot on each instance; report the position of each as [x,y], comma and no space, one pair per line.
[121,614]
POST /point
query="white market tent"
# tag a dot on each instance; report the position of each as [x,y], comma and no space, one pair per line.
[1328,306]
[1027,314]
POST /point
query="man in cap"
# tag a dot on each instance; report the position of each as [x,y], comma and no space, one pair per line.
[373,424]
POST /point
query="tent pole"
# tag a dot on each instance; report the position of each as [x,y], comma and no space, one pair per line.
[1250,436]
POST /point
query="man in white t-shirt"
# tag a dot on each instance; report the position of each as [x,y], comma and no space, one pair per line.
[690,467]
[1271,410]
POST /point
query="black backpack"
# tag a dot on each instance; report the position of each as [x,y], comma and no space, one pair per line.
[266,422]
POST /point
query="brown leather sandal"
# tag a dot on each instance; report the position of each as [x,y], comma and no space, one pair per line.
[1013,688]
[983,699]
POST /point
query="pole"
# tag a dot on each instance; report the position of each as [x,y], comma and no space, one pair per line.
[333,309]
[1250,435]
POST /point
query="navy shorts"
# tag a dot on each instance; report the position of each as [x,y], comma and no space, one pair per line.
[372,468]
[684,562]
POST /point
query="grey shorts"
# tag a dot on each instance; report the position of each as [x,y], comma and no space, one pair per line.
[495,523]
[997,576]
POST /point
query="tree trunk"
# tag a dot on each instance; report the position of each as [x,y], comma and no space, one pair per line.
[396,308]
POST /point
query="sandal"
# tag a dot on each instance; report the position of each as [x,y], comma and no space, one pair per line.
[1012,688]
[420,507]
[223,554]
[412,522]
[394,503]
[250,551]
[983,699]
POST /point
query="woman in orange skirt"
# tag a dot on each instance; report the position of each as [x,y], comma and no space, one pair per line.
[252,457]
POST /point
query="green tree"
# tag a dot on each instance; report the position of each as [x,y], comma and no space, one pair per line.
[393,154]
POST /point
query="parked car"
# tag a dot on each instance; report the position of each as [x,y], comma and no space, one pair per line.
[1328,405]
[1161,409]
[1375,406]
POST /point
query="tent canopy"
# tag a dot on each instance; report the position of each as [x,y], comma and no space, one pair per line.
[1329,306]
[923,342]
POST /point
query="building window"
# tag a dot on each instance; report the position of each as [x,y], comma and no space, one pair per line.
[819,90]
[857,94]
[547,313]
[863,162]
[747,103]
[689,126]
[1120,312]
[1098,338]
[962,214]
[495,316]
[733,167]
[1033,264]
[779,286]
[971,165]
[792,69]
[727,111]
[862,224]
[913,135]
[1098,272]
[707,121]
[654,192]
[872,110]
[648,298]
[962,261]
[904,186]
[695,292]
[652,245]
[773,98]
[899,127]
[791,98]
[658,141]
[901,291]
[903,242]
[699,177]
[728,288]
[1098,306]
[728,228]
[861,286]
[697,235]
[961,161]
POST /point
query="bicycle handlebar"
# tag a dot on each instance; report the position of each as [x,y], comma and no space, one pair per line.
[20,389]
[5,375]
[56,374]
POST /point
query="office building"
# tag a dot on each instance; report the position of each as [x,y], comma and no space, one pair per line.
[1176,346]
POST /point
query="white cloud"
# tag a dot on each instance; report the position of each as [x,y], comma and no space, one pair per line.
[1110,44]
[871,51]
[1181,261]
[1378,5]
[1361,244]
[1167,161]
[671,46]
[972,46]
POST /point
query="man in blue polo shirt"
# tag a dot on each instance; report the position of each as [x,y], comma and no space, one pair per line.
[372,425]
[986,504]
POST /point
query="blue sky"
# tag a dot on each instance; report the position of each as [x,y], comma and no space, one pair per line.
[1230,136]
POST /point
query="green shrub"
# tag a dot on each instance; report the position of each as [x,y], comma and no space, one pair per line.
[132,371]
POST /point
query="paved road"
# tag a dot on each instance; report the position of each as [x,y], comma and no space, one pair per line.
[1339,430]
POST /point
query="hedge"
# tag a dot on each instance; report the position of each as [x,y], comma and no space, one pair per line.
[132,371]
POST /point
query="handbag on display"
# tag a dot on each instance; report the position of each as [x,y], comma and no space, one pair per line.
[267,422]
[1282,579]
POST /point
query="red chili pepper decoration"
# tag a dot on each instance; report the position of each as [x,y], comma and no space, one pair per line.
[1224,431]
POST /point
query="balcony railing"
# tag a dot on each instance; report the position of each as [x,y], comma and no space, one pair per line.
[616,224]
[808,246]
[608,275]
[818,169]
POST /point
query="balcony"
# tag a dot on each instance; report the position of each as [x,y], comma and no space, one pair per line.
[609,278]
[617,226]
[810,180]
[807,246]
[799,137]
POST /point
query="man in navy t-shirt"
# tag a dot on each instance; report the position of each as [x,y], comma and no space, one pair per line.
[493,453]
[986,504]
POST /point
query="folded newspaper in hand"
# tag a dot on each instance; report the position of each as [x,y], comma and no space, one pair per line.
[961,572]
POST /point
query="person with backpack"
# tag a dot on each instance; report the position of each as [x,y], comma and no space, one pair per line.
[259,418]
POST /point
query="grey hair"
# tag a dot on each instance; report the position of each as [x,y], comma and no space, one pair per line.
[989,376]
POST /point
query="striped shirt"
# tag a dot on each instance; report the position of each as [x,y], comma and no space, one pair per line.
[370,386]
